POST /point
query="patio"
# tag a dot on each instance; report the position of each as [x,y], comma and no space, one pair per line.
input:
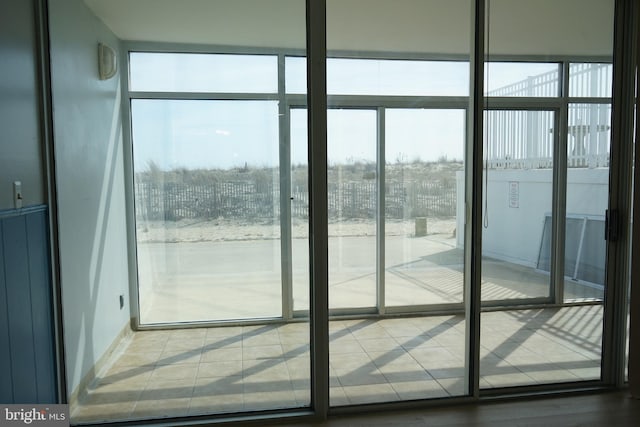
[214,280]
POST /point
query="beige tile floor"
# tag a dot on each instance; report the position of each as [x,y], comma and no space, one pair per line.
[243,368]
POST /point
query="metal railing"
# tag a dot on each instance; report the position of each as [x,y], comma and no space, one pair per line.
[524,139]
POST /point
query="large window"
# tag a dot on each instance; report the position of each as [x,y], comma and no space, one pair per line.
[222,208]
[361,76]
[522,79]
[193,72]
[207,202]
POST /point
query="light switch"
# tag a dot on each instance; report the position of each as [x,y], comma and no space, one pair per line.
[17,194]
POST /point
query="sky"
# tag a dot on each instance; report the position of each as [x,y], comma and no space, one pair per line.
[212,134]
[234,134]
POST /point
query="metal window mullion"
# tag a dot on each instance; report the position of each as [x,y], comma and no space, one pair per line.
[176,47]
[318,236]
[559,204]
[381,217]
[473,202]
[285,195]
[373,101]
[130,214]
[45,115]
[426,309]
[634,297]
[622,135]
[564,88]
[395,101]
[588,100]
[199,48]
[524,103]
[205,96]
[559,192]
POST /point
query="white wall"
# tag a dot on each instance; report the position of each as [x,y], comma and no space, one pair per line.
[20,143]
[90,179]
[514,233]
[587,191]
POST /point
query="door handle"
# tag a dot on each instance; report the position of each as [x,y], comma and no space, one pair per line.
[611,225]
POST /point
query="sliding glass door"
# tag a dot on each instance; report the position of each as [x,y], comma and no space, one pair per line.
[352,197]
[518,183]
[546,192]
[424,189]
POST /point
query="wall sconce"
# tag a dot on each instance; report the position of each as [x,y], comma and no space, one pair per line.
[107,65]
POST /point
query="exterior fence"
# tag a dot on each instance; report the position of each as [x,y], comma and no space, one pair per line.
[171,201]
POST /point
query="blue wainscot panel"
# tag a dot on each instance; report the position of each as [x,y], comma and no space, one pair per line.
[27,365]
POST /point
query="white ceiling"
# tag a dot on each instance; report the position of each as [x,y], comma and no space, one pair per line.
[521,27]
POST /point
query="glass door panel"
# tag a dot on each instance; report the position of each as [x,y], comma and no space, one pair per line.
[587,200]
[379,183]
[352,197]
[517,205]
[525,227]
[528,346]
[424,192]
[207,196]
[352,193]
[299,208]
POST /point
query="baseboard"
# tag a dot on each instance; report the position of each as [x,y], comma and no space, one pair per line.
[100,365]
